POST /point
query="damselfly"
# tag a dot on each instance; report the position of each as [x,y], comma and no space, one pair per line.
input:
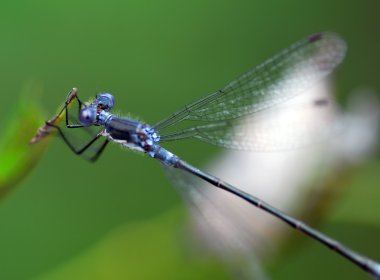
[218,114]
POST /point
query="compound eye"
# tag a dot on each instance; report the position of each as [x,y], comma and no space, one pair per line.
[105,100]
[87,116]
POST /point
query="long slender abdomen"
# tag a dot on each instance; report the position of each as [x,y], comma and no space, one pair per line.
[163,155]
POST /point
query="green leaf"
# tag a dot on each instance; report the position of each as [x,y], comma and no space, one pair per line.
[17,157]
[153,249]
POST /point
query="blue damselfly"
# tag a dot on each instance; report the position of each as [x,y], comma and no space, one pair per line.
[214,119]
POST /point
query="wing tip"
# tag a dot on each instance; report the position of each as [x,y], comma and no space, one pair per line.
[315,37]
[330,37]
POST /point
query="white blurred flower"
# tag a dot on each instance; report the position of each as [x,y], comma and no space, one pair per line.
[321,142]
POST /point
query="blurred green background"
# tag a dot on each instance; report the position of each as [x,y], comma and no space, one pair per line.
[120,218]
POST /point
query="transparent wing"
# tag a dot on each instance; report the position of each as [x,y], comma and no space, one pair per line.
[231,241]
[279,79]
[304,120]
